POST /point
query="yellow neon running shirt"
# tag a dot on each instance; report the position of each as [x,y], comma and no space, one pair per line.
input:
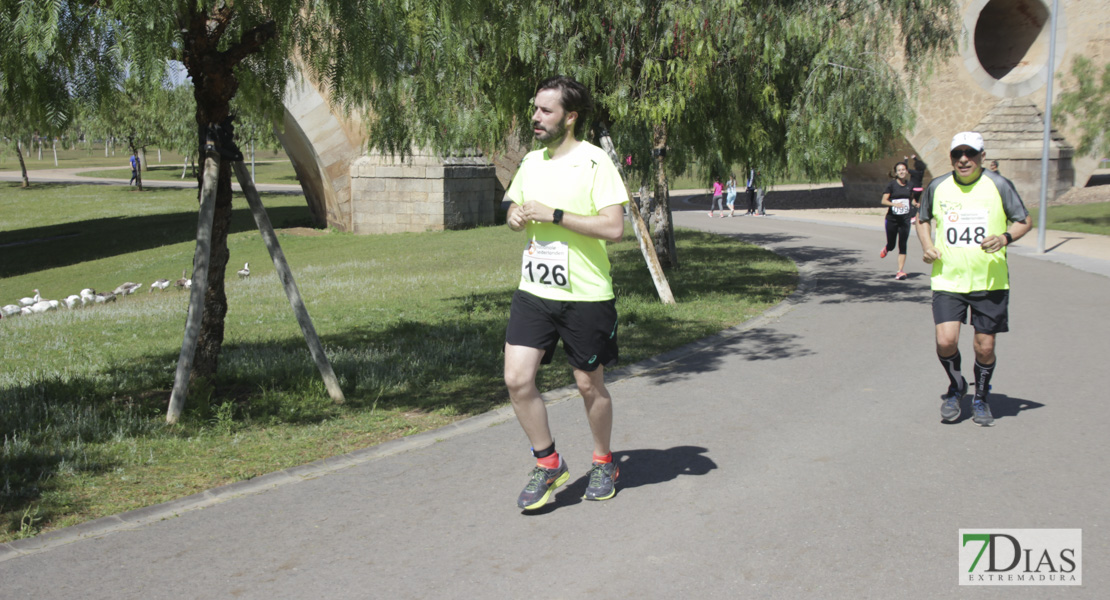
[583,182]
[965,215]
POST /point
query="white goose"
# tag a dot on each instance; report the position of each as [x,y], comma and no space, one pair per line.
[87,295]
[245,272]
[44,306]
[161,284]
[104,298]
[10,310]
[126,288]
[30,301]
[72,301]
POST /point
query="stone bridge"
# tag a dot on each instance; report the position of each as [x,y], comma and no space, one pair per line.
[996,85]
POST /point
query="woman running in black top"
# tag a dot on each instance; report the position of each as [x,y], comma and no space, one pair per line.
[898,196]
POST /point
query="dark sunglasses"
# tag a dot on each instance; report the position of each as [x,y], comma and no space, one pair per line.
[957,153]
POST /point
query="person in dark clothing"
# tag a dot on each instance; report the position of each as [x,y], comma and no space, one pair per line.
[134,168]
[753,183]
[917,175]
[898,196]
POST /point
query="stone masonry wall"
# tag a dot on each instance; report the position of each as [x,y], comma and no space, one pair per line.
[423,192]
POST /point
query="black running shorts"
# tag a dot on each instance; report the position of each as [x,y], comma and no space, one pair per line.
[989,310]
[588,329]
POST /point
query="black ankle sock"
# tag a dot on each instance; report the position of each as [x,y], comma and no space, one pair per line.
[951,366]
[983,375]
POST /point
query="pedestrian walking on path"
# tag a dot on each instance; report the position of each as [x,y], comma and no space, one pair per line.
[730,194]
[716,202]
[134,169]
[898,197]
[978,213]
[568,197]
[752,184]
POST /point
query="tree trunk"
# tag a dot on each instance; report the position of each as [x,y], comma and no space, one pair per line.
[142,159]
[643,236]
[22,165]
[207,358]
[54,147]
[664,226]
[212,70]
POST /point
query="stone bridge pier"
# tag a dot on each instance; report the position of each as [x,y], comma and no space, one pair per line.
[352,190]
[997,85]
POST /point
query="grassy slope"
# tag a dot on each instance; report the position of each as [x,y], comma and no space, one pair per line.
[1081,218]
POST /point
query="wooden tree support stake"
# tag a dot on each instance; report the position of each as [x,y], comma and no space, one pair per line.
[287,281]
[199,287]
[643,235]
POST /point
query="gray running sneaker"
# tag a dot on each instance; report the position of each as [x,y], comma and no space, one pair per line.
[542,482]
[981,414]
[603,479]
[950,410]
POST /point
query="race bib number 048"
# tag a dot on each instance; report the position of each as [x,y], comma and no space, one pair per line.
[546,263]
[965,228]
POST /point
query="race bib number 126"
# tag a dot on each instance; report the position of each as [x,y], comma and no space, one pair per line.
[546,263]
[965,228]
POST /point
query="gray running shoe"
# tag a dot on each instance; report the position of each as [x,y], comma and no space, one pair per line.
[603,479]
[542,482]
[950,410]
[981,414]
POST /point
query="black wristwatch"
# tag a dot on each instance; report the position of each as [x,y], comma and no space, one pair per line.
[557,217]
[1009,238]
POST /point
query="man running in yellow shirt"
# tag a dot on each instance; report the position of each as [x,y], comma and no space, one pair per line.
[568,198]
[977,214]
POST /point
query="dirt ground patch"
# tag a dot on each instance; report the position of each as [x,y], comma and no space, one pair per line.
[304,231]
[1085,195]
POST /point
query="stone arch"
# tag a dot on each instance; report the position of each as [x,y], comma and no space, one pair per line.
[1008,45]
[999,79]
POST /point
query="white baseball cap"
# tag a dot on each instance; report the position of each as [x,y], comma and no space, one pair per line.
[967,138]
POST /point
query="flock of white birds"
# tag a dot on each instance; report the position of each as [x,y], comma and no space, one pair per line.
[36,304]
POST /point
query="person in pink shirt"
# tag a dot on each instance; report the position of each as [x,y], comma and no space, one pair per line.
[717,201]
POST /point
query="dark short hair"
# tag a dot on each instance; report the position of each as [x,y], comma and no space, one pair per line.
[575,98]
[903,163]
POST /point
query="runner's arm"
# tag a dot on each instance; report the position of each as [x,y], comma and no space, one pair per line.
[607,224]
[1016,229]
[886,200]
[515,219]
[930,252]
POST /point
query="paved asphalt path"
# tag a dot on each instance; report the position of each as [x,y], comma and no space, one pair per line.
[73,176]
[800,455]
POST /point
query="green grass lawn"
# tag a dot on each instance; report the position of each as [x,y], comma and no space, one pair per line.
[1081,218]
[415,340]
